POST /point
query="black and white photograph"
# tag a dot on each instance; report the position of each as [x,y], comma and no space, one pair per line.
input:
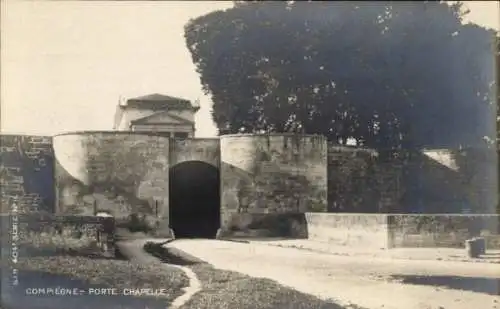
[250,154]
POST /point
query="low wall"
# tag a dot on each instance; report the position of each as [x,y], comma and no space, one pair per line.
[27,232]
[358,230]
[288,225]
[402,230]
[49,224]
[442,230]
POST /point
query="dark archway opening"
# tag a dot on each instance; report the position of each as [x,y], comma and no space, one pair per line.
[194,200]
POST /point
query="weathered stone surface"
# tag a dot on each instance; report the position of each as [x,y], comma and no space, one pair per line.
[450,181]
[126,172]
[354,230]
[36,225]
[355,180]
[122,173]
[427,181]
[403,230]
[26,173]
[200,149]
[444,230]
[475,247]
[266,174]
[291,225]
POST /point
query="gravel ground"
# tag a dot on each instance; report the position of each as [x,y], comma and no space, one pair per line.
[224,289]
[368,282]
[227,290]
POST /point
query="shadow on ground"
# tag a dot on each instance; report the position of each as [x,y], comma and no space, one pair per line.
[171,255]
[490,286]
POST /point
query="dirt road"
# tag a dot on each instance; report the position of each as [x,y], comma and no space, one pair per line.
[372,283]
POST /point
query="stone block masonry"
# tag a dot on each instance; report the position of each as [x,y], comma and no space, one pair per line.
[270,174]
[378,231]
[205,150]
[26,173]
[118,172]
[442,230]
[36,227]
[353,230]
[424,181]
[354,182]
[264,179]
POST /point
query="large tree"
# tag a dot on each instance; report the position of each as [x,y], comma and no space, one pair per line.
[388,74]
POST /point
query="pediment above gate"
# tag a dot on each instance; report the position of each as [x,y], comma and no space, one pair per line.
[162,118]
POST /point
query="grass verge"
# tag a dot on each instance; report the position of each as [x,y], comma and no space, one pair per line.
[224,289]
[71,264]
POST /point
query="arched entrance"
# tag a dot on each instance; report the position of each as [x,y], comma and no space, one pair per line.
[194,206]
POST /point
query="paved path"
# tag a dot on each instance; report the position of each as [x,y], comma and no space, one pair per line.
[134,251]
[356,279]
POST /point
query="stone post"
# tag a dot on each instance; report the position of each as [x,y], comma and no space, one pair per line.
[475,247]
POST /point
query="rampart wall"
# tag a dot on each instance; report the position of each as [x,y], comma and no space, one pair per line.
[119,172]
[270,174]
[268,182]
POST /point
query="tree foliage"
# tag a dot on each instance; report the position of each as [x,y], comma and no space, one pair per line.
[387,74]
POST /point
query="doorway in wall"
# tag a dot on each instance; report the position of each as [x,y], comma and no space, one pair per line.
[194,206]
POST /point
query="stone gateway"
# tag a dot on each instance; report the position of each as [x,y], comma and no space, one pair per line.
[194,187]
[151,173]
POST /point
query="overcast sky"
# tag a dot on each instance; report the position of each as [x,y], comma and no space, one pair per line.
[65,64]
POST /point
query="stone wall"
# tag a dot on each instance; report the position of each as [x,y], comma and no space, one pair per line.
[358,181]
[47,232]
[450,181]
[378,231]
[271,174]
[428,181]
[264,178]
[287,225]
[444,230]
[200,149]
[119,172]
[353,230]
[26,173]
